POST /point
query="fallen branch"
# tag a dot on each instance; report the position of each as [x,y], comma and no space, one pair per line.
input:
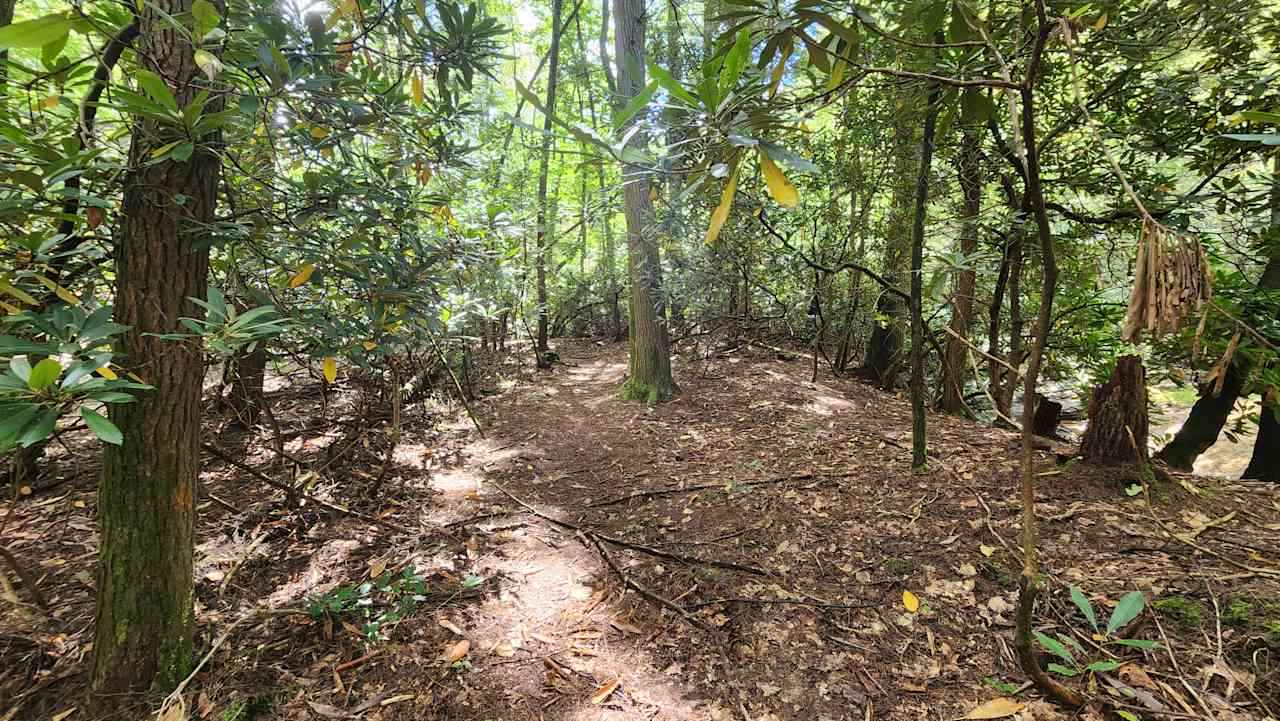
[644,592]
[691,560]
[222,456]
[702,487]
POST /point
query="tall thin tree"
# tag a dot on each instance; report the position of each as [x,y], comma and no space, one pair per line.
[545,222]
[650,377]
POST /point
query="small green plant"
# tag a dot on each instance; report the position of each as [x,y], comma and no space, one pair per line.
[1003,687]
[1187,614]
[1129,608]
[382,601]
[899,566]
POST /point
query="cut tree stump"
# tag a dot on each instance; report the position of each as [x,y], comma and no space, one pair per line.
[1116,408]
[1048,416]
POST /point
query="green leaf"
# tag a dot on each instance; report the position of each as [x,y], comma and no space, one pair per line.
[634,106]
[41,429]
[44,374]
[1059,668]
[103,428]
[734,62]
[671,85]
[35,33]
[1082,603]
[1127,715]
[16,417]
[1260,116]
[1108,665]
[205,16]
[1053,646]
[1138,643]
[1127,610]
[20,368]
[975,107]
[156,88]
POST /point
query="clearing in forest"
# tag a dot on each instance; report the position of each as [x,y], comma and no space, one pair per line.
[755,549]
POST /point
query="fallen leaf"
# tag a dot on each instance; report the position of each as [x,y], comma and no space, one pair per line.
[910,601]
[604,692]
[995,708]
[458,650]
[987,550]
[327,711]
[446,623]
[376,568]
[624,626]
[330,369]
[396,699]
[64,714]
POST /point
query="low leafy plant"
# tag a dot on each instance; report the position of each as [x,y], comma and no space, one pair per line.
[382,601]
[1129,608]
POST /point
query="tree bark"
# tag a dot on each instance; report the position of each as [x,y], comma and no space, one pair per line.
[1048,417]
[1210,413]
[544,238]
[1117,409]
[962,300]
[919,452]
[143,638]
[650,377]
[884,349]
[1264,464]
[248,373]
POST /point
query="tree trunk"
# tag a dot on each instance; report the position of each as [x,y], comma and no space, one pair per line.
[1264,464]
[248,372]
[143,638]
[1048,417]
[1210,413]
[650,377]
[962,299]
[884,350]
[919,454]
[1117,409]
[544,220]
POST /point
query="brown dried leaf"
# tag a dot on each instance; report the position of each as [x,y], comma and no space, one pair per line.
[995,708]
[458,650]
[604,692]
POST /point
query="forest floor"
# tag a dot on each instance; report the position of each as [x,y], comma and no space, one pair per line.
[741,552]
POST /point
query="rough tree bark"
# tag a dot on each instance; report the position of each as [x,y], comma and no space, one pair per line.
[1264,464]
[650,377]
[919,452]
[1118,408]
[544,238]
[143,638]
[970,171]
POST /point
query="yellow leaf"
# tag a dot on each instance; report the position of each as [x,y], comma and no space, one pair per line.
[302,276]
[837,75]
[10,309]
[417,88]
[910,601]
[49,102]
[18,293]
[603,693]
[342,9]
[135,377]
[319,132]
[721,213]
[330,369]
[781,190]
[67,296]
[1102,22]
[653,194]
[987,550]
[995,708]
[376,568]
[780,69]
[107,373]
[369,345]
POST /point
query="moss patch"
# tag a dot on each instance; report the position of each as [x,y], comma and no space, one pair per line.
[899,566]
[1185,613]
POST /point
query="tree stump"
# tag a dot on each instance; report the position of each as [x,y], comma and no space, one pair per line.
[1048,416]
[1117,408]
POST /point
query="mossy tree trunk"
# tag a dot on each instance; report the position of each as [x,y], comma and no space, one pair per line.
[1118,416]
[143,639]
[970,171]
[650,377]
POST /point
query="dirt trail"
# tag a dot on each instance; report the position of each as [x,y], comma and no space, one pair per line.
[771,527]
[809,482]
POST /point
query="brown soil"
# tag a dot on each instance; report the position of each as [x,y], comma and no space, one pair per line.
[764,531]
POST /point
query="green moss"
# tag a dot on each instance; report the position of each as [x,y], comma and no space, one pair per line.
[1186,614]
[899,566]
[634,390]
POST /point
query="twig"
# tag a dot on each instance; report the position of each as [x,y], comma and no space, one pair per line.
[633,546]
[222,456]
[646,593]
[704,487]
[222,588]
